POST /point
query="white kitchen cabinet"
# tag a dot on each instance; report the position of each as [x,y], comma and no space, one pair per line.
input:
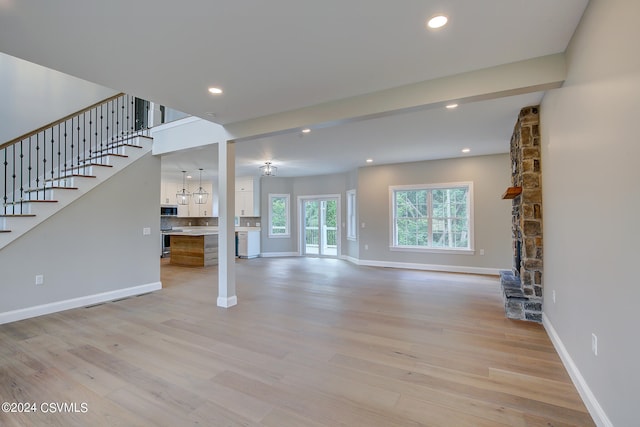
[247,196]
[168,190]
[248,244]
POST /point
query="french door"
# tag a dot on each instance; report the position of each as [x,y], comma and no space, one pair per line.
[319,229]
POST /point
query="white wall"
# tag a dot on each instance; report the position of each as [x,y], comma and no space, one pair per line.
[591,202]
[490,175]
[93,246]
[45,94]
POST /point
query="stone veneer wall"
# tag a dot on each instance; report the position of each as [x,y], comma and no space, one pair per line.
[523,285]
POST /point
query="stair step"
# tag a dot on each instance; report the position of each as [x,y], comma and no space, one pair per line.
[33,190]
[5,231]
[74,175]
[102,156]
[86,169]
[110,147]
[29,201]
[17,215]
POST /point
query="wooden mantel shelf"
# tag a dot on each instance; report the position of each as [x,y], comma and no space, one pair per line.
[512,193]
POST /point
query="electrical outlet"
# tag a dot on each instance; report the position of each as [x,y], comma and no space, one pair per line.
[39,279]
[481,251]
[363,224]
[366,247]
[146,231]
[594,344]
[553,296]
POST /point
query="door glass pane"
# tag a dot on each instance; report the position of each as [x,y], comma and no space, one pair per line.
[312,227]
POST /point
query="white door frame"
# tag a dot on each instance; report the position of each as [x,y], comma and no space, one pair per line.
[301,222]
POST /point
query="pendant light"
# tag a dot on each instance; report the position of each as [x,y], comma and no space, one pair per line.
[200,197]
[268,169]
[182,197]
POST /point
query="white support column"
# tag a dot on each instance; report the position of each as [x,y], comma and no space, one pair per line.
[226,226]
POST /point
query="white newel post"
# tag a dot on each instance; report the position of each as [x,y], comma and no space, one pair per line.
[226,226]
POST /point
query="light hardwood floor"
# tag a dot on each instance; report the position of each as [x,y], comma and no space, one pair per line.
[313,342]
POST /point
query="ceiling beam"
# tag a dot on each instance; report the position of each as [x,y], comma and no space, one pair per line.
[533,75]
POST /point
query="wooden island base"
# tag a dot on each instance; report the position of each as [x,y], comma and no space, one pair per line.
[194,250]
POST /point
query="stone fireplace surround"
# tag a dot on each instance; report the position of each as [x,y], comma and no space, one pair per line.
[522,285]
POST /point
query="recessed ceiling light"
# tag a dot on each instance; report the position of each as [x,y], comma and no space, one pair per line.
[369,160]
[306,130]
[452,106]
[210,114]
[437,21]
[466,150]
[189,176]
[215,90]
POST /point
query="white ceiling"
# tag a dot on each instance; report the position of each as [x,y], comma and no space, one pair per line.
[282,55]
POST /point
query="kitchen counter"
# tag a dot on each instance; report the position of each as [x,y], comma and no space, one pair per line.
[198,246]
[203,231]
[194,249]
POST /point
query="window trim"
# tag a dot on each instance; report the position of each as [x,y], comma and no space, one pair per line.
[430,187]
[287,198]
[352,212]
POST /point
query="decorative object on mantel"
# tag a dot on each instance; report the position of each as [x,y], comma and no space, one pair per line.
[268,169]
[182,197]
[512,193]
[200,197]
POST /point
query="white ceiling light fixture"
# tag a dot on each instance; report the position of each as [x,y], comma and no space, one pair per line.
[369,160]
[215,90]
[306,130]
[452,106]
[268,169]
[182,197]
[466,150]
[201,196]
[437,21]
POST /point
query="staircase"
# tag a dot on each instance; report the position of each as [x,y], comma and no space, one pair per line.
[47,169]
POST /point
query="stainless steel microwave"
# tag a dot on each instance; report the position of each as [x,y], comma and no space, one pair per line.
[168,210]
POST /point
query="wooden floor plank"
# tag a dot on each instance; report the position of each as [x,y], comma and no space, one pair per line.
[313,341]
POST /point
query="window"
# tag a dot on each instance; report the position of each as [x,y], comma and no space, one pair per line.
[351,215]
[432,217]
[279,215]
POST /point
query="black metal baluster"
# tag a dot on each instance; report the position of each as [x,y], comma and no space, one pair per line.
[84,138]
[65,150]
[29,168]
[6,169]
[53,155]
[112,137]
[59,154]
[101,128]
[118,135]
[21,169]
[78,142]
[129,127]
[37,162]
[91,152]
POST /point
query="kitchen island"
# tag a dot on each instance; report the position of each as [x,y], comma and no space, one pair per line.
[194,248]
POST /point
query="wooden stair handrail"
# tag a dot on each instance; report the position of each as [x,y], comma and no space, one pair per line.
[57,122]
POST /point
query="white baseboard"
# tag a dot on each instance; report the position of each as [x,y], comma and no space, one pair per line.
[428,267]
[278,254]
[589,399]
[226,302]
[55,307]
[351,259]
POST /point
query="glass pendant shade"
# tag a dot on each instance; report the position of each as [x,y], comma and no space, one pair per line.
[182,196]
[201,196]
[268,169]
